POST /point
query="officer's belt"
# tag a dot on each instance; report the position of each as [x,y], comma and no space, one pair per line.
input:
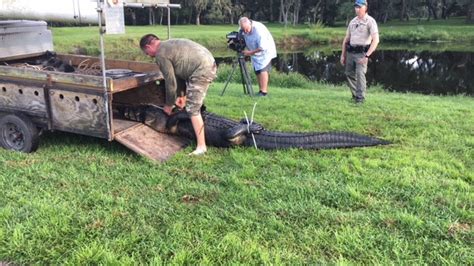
[357,48]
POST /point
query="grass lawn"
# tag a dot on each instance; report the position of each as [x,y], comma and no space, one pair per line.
[81,200]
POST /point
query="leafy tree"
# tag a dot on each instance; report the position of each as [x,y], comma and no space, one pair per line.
[312,11]
[199,7]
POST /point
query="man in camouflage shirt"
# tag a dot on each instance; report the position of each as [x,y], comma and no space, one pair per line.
[184,62]
[362,38]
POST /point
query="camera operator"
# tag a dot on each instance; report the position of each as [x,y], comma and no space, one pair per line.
[184,61]
[261,48]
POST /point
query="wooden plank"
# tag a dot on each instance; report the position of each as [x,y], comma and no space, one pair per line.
[77,79]
[152,144]
[23,73]
[23,97]
[78,112]
[120,125]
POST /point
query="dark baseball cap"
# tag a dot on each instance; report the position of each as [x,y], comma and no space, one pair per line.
[360,3]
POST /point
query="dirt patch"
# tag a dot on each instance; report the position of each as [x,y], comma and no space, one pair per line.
[190,199]
[457,228]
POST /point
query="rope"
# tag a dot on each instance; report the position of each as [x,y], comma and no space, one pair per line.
[85,68]
[250,123]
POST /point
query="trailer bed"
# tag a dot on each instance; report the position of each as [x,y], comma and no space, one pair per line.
[78,102]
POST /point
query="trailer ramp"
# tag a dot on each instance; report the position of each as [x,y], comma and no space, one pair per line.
[145,141]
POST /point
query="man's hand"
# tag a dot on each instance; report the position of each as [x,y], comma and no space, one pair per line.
[168,109]
[343,60]
[247,53]
[181,102]
[364,60]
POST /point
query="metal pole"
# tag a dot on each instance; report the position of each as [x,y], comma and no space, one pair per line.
[104,78]
[102,55]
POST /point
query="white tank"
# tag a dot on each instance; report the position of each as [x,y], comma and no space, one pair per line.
[80,11]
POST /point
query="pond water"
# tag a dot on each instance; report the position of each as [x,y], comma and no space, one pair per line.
[428,72]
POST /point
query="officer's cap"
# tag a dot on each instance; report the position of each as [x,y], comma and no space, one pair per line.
[360,3]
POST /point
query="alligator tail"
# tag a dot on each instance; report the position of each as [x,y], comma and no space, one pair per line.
[325,140]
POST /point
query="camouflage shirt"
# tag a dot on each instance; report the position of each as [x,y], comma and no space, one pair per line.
[185,60]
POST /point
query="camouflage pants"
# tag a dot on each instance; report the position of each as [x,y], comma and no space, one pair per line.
[355,73]
[196,90]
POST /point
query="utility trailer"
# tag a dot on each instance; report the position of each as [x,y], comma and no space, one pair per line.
[68,94]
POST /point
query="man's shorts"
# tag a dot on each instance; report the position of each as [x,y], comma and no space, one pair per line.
[196,89]
[267,68]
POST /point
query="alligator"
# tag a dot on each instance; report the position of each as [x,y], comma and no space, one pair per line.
[224,132]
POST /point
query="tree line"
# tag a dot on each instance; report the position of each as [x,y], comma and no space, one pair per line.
[293,12]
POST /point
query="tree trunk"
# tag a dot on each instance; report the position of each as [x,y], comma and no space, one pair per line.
[444,9]
[285,10]
[431,9]
[296,12]
[317,12]
[470,13]
[271,10]
[231,16]
[280,17]
[134,17]
[151,16]
[161,16]
[448,9]
[190,18]
[403,10]
[198,14]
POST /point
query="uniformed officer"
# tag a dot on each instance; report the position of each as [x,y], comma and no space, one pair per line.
[362,38]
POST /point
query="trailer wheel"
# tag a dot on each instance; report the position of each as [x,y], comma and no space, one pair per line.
[18,133]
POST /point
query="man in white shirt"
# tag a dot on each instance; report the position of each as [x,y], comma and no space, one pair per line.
[261,48]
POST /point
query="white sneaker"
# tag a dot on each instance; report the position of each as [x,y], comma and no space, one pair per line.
[197,152]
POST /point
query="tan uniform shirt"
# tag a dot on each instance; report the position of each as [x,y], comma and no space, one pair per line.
[183,59]
[360,30]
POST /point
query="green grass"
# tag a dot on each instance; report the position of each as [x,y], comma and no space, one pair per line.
[81,200]
[85,40]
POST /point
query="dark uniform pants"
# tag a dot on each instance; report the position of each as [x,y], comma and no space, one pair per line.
[355,73]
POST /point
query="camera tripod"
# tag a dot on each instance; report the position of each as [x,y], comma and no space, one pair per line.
[246,81]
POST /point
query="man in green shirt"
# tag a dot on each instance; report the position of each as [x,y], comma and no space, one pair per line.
[184,61]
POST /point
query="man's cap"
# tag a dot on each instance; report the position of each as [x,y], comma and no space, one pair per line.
[360,3]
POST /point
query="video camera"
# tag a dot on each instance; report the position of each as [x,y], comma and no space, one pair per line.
[236,41]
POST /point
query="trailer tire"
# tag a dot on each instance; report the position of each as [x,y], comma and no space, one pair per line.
[18,133]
